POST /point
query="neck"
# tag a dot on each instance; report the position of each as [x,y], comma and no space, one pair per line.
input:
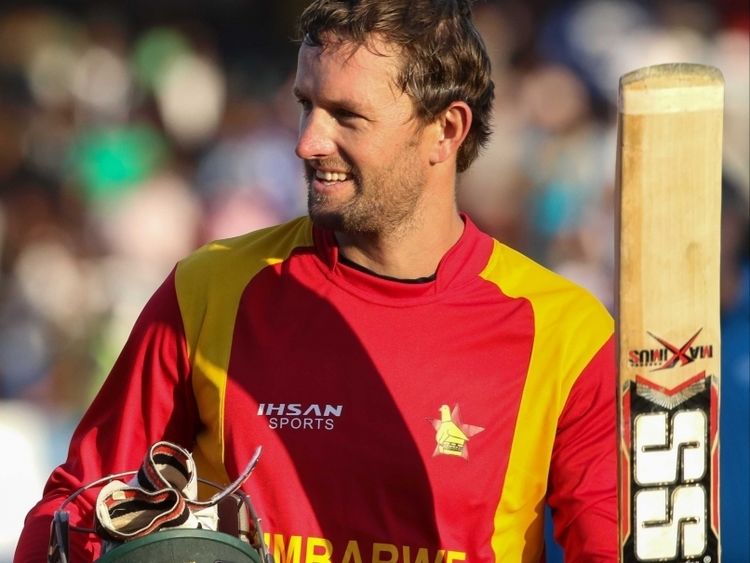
[413,251]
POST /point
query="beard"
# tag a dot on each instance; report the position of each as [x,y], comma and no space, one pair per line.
[384,201]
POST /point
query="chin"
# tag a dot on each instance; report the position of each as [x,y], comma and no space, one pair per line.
[324,213]
[325,217]
[353,216]
[342,222]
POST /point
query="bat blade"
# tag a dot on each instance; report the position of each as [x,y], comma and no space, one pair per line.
[669,205]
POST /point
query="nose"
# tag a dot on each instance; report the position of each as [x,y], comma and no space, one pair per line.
[315,138]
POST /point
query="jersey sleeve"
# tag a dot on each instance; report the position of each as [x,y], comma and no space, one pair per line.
[147,397]
[583,473]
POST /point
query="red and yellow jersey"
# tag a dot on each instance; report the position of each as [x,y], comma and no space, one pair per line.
[400,422]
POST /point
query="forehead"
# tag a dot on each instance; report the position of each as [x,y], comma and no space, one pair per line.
[369,71]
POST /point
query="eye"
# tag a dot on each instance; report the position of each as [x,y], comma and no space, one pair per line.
[344,115]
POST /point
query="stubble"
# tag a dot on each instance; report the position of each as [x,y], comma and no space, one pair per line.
[384,202]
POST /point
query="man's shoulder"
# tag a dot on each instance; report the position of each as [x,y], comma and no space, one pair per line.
[519,276]
[262,247]
[223,268]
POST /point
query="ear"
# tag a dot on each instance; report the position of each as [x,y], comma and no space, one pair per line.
[453,126]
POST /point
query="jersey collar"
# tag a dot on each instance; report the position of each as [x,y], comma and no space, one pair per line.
[458,267]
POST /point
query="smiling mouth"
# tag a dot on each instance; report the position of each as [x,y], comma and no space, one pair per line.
[331,177]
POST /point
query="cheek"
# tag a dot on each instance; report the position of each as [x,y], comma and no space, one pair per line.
[383,149]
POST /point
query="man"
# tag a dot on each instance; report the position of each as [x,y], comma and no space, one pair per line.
[418,388]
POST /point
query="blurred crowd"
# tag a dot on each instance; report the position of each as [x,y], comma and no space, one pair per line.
[131,133]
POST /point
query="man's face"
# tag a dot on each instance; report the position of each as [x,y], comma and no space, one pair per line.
[365,159]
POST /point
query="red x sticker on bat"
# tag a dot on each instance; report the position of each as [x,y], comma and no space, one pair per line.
[678,354]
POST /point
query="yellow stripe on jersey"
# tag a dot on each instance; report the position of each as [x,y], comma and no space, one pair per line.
[209,285]
[569,328]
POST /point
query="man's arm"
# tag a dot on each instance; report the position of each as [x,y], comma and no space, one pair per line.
[147,397]
[583,474]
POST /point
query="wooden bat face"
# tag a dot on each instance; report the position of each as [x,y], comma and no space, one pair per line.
[669,184]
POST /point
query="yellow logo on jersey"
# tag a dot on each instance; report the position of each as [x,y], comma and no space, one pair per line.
[451,434]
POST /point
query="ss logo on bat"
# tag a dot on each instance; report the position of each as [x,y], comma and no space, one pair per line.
[670,504]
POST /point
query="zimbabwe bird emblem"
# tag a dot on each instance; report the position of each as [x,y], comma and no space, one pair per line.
[451,435]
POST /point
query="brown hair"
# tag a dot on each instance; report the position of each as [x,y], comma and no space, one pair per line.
[444,57]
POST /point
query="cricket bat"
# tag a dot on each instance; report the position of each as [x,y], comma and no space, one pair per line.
[669,204]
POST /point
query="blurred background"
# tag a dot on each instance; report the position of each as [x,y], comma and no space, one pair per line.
[131,133]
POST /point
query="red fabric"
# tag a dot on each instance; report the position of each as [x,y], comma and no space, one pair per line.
[147,397]
[582,496]
[391,354]
[366,368]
